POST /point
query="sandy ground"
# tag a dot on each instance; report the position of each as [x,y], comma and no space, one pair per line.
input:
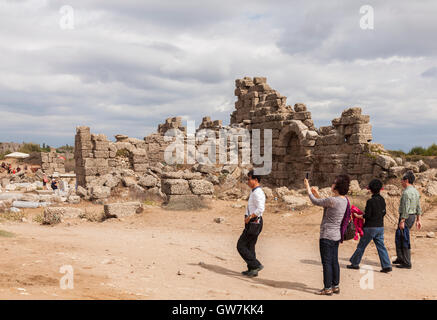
[163,254]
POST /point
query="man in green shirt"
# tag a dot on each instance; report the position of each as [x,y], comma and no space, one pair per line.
[409,209]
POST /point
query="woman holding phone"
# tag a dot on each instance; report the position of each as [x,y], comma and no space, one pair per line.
[334,209]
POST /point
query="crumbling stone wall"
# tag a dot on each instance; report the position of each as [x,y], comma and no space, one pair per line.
[345,147]
[52,162]
[92,155]
[298,147]
[10,147]
[155,143]
[294,136]
[49,162]
[96,156]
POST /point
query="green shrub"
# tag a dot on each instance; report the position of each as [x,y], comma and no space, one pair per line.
[123,153]
[432,150]
[29,148]
[417,151]
[65,149]
[2,155]
[420,151]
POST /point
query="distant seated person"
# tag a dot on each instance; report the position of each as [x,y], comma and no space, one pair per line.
[18,169]
[54,185]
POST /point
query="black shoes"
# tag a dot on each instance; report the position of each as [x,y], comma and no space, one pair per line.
[397,261]
[260,267]
[404,266]
[252,273]
[354,267]
[351,266]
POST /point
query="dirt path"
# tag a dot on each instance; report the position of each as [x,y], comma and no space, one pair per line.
[186,255]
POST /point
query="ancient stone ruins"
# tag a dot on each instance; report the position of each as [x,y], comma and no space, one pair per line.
[298,146]
[135,170]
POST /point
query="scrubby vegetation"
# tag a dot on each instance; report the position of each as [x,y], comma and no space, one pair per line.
[2,155]
[420,151]
[431,151]
[30,147]
[65,149]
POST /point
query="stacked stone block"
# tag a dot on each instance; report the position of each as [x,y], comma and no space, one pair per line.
[344,148]
[183,186]
[298,147]
[155,143]
[96,156]
[171,123]
[92,154]
[51,162]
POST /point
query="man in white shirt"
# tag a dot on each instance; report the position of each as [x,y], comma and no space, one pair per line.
[253,225]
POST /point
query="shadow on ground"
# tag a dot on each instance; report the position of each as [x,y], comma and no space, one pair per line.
[364,262]
[297,286]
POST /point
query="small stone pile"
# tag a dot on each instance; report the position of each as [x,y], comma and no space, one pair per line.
[146,183]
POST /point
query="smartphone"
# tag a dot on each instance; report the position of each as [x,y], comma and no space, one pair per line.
[307,175]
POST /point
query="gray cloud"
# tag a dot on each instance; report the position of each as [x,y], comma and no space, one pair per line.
[128,65]
[430,73]
[331,30]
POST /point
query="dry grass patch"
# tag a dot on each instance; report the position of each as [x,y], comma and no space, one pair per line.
[6,234]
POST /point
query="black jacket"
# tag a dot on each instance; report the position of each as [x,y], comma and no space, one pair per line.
[375,212]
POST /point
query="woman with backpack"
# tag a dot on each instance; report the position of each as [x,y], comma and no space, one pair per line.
[335,209]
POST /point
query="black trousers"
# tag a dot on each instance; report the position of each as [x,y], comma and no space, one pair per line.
[246,244]
[331,267]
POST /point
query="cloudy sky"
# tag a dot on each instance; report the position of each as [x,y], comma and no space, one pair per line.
[127,65]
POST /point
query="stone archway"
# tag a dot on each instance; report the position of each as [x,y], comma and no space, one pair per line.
[292,155]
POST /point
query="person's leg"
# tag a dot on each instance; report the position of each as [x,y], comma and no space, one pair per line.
[256,262]
[243,246]
[326,256]
[361,247]
[253,263]
[335,265]
[399,252]
[407,250]
[382,250]
[246,248]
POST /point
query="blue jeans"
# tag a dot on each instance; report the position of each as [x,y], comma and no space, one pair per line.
[377,235]
[331,267]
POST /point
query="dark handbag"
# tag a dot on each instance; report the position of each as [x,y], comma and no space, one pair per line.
[350,231]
